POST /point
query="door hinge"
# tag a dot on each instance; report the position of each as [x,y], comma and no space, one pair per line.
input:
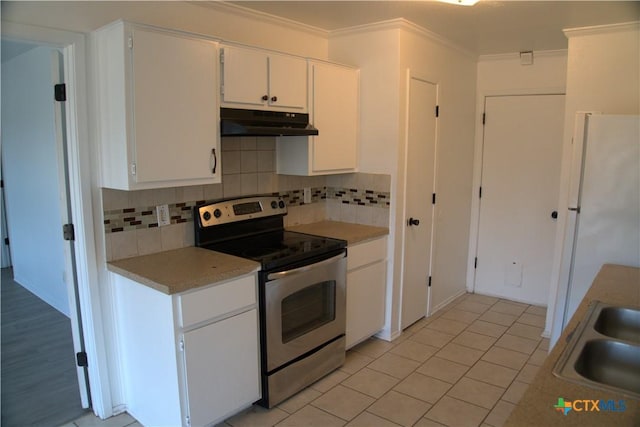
[437,111]
[81,359]
[187,420]
[480,193]
[221,90]
[130,42]
[484,118]
[433,198]
[68,233]
[222,56]
[429,283]
[475,263]
[60,92]
[181,345]
[133,168]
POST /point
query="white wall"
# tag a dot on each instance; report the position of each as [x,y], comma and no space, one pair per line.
[505,75]
[31,174]
[383,52]
[603,69]
[214,19]
[454,71]
[376,50]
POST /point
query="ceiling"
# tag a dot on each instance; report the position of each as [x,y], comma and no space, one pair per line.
[489,27]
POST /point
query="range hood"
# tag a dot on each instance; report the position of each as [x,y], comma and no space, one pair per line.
[239,122]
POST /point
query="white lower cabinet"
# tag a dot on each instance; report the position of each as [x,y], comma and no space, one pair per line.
[366,289]
[221,370]
[180,366]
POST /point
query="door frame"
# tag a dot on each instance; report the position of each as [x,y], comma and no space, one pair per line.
[474,226]
[403,206]
[80,158]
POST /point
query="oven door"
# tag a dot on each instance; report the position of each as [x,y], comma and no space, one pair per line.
[304,309]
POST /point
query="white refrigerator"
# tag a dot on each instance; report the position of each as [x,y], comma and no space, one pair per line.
[603,225]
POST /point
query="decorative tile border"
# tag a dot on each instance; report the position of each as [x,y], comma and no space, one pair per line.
[296,197]
[354,196]
[145,217]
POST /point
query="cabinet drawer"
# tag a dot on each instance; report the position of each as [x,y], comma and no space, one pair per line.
[217,300]
[366,253]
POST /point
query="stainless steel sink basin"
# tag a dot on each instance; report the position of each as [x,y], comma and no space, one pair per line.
[619,322]
[613,363]
[604,350]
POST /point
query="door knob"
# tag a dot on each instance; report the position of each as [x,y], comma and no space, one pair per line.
[554,214]
[413,221]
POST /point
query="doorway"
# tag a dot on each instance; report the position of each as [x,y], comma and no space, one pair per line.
[419,200]
[520,179]
[39,293]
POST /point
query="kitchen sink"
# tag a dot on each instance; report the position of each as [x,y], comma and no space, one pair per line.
[614,363]
[619,322]
[604,350]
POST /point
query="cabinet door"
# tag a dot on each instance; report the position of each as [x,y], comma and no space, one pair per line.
[222,367]
[245,76]
[287,82]
[335,115]
[366,292]
[175,107]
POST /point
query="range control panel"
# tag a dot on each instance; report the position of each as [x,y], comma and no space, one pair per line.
[234,210]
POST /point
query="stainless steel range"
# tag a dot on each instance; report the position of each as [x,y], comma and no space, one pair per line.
[301,289]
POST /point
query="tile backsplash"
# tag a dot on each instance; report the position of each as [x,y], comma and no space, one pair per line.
[248,168]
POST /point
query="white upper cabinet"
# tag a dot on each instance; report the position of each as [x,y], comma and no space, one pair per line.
[158,108]
[263,80]
[334,111]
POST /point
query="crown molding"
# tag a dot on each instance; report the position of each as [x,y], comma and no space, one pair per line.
[401,24]
[601,29]
[516,55]
[245,12]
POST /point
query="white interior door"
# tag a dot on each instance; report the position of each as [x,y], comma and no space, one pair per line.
[522,153]
[70,272]
[420,179]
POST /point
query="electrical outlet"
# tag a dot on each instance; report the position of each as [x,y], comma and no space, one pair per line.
[162,212]
[307,195]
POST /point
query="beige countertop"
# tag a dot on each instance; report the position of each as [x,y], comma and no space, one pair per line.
[352,233]
[179,270]
[614,285]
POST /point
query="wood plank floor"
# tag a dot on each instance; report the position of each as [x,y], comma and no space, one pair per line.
[39,382]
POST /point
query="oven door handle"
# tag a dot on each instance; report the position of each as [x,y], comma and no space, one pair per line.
[288,273]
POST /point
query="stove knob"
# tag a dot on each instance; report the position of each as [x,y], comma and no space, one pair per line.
[217,213]
[206,216]
[274,204]
[281,204]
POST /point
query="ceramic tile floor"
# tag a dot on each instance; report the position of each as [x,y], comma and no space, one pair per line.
[468,365]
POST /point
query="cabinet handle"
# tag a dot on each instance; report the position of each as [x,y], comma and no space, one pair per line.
[265,97]
[274,98]
[215,161]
